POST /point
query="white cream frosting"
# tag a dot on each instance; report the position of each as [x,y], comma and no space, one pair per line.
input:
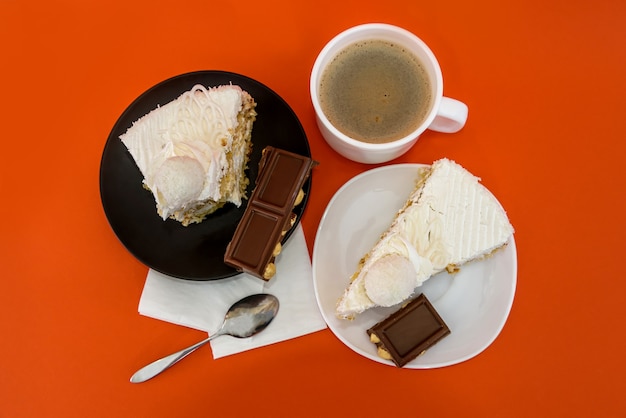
[199,125]
[449,220]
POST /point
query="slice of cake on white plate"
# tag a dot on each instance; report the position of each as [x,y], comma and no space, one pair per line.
[193,151]
[449,219]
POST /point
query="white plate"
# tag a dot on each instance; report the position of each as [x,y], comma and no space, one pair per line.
[474,303]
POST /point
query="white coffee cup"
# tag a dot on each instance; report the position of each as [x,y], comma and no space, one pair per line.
[446,115]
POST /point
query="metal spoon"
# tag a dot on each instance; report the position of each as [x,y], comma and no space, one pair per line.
[244,319]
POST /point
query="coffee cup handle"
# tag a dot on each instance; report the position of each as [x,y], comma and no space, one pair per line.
[451,116]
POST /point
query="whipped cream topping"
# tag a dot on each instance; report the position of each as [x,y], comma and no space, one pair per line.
[449,219]
[472,222]
[198,125]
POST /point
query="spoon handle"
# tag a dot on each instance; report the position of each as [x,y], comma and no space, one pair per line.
[158,366]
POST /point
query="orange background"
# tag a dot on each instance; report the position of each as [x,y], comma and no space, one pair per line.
[545,83]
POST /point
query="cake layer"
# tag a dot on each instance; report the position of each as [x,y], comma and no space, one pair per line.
[448,220]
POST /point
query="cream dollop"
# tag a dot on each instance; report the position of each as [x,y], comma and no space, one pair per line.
[178,181]
[390,280]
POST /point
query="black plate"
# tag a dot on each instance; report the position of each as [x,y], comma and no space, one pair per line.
[194,252]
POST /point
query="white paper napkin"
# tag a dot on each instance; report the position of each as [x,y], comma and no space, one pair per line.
[202,305]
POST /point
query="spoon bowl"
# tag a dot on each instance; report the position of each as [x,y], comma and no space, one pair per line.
[244,318]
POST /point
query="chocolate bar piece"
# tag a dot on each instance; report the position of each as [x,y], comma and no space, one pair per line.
[408,332]
[268,216]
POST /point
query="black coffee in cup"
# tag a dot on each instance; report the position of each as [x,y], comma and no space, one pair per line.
[375,91]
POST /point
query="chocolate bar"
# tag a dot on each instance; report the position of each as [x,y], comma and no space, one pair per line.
[408,332]
[257,240]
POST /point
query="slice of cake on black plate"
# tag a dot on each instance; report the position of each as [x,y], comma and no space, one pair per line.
[194,150]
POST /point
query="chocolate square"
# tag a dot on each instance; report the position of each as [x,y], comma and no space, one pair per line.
[269,213]
[408,332]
